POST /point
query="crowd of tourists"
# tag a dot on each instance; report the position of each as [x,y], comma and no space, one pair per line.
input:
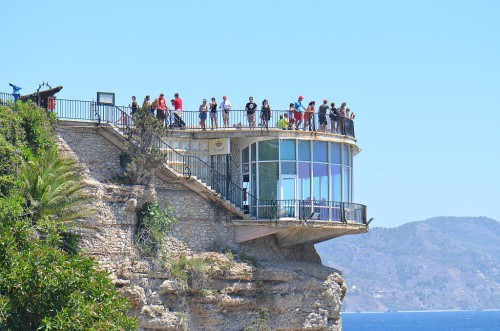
[298,117]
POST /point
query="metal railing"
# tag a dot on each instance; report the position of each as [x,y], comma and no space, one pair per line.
[189,120]
[334,211]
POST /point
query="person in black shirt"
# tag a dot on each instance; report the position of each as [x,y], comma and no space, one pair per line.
[334,118]
[213,113]
[266,114]
[250,108]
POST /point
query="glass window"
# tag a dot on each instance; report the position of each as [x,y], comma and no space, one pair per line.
[288,168]
[320,151]
[254,152]
[346,183]
[335,153]
[268,150]
[304,181]
[336,183]
[244,168]
[304,150]
[244,155]
[253,189]
[346,155]
[268,181]
[287,149]
[320,182]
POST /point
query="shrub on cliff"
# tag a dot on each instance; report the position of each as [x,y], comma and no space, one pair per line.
[143,149]
[153,225]
[44,288]
[41,286]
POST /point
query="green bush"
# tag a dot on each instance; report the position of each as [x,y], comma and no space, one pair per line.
[153,226]
[42,287]
[37,124]
[11,127]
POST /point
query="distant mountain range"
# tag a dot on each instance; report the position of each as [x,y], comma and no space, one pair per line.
[440,263]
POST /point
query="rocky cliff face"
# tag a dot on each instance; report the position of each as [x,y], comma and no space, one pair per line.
[205,281]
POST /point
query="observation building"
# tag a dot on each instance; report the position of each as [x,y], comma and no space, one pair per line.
[292,184]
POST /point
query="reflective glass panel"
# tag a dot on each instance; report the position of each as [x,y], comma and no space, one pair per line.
[336,183]
[346,184]
[304,150]
[320,182]
[268,181]
[288,168]
[268,189]
[244,155]
[287,149]
[253,189]
[346,157]
[254,151]
[268,150]
[320,151]
[335,153]
[304,181]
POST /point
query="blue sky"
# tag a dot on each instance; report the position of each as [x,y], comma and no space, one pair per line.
[422,77]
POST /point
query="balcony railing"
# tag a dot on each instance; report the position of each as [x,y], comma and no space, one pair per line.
[190,120]
[334,211]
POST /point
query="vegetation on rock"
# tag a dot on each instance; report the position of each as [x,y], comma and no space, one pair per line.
[153,225]
[42,287]
[142,148]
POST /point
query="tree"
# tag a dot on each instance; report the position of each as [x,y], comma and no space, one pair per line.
[44,288]
[143,148]
[54,188]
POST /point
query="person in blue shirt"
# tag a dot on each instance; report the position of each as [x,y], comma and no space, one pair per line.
[298,112]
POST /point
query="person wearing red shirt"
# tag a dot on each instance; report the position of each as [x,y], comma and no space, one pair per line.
[161,108]
[177,102]
[178,112]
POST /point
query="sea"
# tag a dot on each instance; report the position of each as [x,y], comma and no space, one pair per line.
[418,321]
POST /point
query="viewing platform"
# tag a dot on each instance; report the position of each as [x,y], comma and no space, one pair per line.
[295,185]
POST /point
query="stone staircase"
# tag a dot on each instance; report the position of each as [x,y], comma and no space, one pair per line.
[176,166]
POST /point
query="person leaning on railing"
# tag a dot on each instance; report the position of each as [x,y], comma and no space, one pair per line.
[146,104]
[297,115]
[266,114]
[213,113]
[334,118]
[203,114]
[309,121]
[322,110]
[226,108]
[342,117]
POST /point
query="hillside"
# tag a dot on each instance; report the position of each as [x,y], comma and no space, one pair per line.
[440,263]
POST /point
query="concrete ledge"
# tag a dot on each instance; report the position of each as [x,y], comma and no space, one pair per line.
[291,232]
